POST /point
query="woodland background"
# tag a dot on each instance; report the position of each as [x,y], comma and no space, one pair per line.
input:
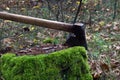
[102,19]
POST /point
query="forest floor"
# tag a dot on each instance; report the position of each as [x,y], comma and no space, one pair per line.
[103,53]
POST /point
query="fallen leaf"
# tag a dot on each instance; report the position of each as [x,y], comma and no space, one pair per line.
[101,23]
[115,28]
[104,66]
[96,75]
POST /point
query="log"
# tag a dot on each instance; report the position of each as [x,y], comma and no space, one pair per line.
[37,21]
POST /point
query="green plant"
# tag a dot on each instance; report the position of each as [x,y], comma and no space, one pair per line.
[99,45]
[48,40]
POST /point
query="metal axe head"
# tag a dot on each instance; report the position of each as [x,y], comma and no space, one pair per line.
[77,37]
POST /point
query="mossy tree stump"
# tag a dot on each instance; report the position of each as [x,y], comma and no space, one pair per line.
[67,64]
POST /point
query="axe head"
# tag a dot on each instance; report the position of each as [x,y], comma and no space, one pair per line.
[77,37]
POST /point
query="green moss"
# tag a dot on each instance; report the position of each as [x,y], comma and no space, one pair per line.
[68,64]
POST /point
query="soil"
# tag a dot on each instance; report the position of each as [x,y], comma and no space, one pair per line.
[43,49]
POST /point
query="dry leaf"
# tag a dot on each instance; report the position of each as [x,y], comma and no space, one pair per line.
[104,66]
[115,28]
[96,75]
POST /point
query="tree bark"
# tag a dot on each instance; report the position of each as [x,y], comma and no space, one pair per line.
[37,21]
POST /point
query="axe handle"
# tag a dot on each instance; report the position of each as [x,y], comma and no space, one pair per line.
[37,21]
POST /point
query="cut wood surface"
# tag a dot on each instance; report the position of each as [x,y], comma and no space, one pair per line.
[37,21]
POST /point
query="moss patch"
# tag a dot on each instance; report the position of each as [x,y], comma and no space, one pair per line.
[68,64]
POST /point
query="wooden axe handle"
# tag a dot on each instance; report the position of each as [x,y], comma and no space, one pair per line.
[37,21]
